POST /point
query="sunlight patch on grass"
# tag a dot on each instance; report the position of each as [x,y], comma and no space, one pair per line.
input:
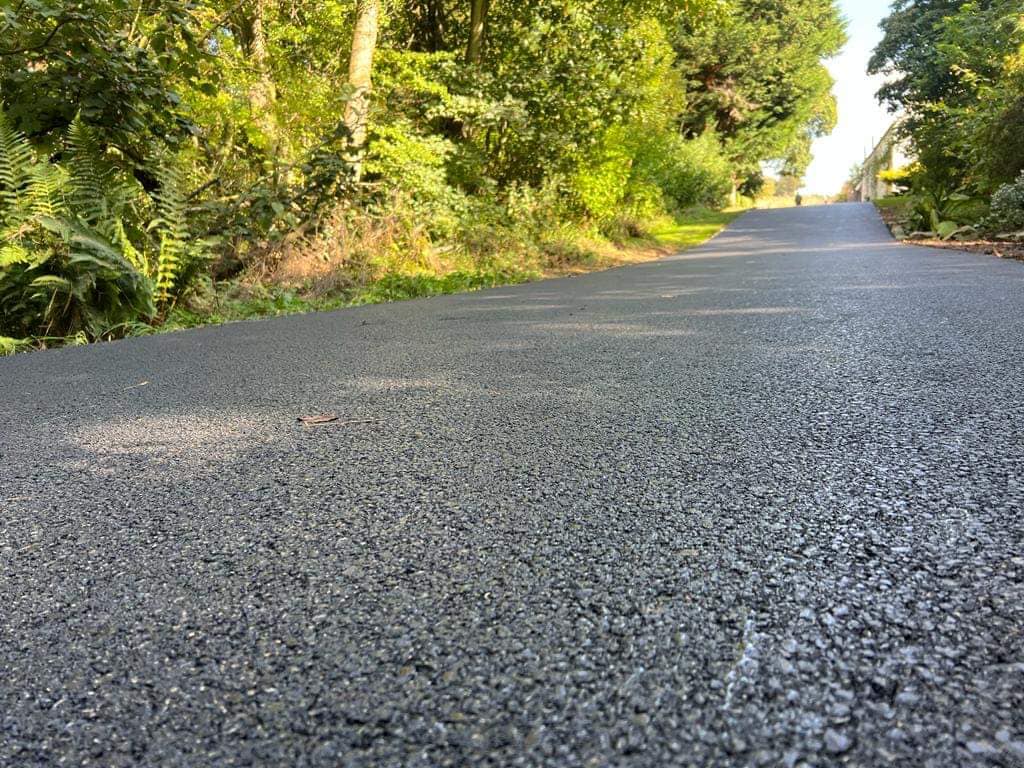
[692,227]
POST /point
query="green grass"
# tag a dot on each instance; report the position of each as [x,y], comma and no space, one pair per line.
[232,302]
[692,227]
[9,346]
[398,287]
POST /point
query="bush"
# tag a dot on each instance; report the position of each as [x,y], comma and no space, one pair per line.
[416,166]
[83,248]
[636,174]
[1007,211]
[696,172]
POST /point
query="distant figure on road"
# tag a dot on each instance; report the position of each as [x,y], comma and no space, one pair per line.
[799,199]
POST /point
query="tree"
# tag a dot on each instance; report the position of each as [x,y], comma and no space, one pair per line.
[477,26]
[263,93]
[908,54]
[360,75]
[116,63]
[755,75]
[952,66]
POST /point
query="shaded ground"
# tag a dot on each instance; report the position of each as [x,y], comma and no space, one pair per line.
[755,505]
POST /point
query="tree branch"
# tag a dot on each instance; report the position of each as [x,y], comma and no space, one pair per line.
[39,46]
[219,21]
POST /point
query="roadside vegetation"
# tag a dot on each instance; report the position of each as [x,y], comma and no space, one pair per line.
[956,73]
[168,164]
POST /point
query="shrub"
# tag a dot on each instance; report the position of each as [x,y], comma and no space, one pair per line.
[416,166]
[697,173]
[601,183]
[1007,210]
[635,174]
[83,248]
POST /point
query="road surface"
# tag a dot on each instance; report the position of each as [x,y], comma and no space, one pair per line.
[758,504]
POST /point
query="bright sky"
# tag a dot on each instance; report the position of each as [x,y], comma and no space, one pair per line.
[862,120]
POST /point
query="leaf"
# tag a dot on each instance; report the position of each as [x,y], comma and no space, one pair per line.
[8,345]
[967,228]
[324,418]
[13,253]
[328,418]
[946,229]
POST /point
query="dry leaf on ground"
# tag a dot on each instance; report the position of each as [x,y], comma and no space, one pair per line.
[324,418]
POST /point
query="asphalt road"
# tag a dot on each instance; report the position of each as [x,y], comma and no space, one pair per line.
[759,504]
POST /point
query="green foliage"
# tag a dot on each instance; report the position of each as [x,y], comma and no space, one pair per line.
[396,287]
[416,165]
[956,68]
[78,256]
[944,214]
[149,147]
[61,273]
[696,172]
[105,61]
[755,76]
[1006,217]
[269,300]
[9,346]
[179,256]
[897,176]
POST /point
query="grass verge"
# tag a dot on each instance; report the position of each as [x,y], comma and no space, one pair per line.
[231,301]
[246,299]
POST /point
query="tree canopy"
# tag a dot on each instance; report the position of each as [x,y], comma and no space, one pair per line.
[954,69]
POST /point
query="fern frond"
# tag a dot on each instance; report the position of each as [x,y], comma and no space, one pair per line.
[53,281]
[119,236]
[91,174]
[12,253]
[88,245]
[172,224]
[16,159]
[46,190]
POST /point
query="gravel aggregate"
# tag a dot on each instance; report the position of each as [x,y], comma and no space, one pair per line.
[758,504]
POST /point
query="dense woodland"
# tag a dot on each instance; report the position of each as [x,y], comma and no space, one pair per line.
[955,73]
[152,152]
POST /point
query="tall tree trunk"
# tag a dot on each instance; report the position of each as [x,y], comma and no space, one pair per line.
[263,93]
[360,71]
[477,27]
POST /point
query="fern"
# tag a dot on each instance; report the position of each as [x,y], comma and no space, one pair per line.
[12,253]
[119,236]
[27,188]
[172,226]
[91,175]
[16,160]
[101,194]
[74,255]
[46,190]
[98,287]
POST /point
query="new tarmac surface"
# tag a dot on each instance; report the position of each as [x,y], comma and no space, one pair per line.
[757,504]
